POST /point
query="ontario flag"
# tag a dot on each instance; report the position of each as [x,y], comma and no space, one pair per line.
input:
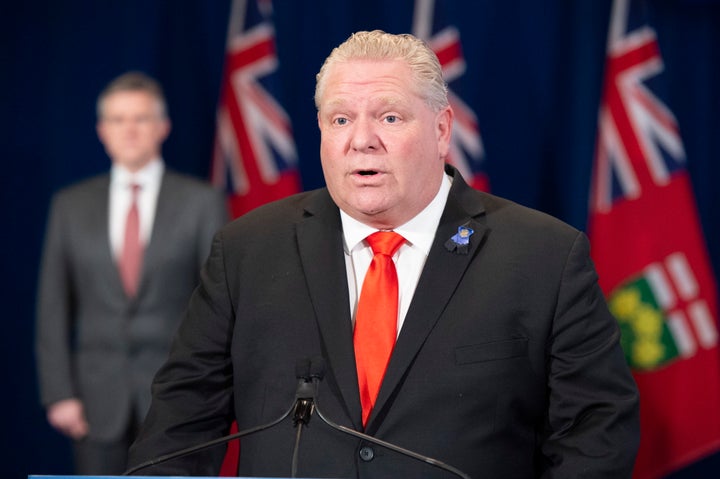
[255,157]
[650,254]
[466,148]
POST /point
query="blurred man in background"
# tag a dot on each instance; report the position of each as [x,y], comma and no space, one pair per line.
[122,254]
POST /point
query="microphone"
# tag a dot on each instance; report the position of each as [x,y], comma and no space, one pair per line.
[317,372]
[302,408]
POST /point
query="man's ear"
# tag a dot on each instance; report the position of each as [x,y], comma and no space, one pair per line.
[443,125]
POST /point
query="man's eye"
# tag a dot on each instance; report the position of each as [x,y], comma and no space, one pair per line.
[391,118]
[341,121]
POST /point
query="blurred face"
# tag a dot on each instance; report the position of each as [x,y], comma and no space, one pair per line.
[382,147]
[132,128]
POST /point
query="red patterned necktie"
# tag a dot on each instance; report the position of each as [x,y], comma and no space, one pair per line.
[376,318]
[132,250]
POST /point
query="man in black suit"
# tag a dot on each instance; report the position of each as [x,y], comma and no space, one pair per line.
[506,362]
[105,324]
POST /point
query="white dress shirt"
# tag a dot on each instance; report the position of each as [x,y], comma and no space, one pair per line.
[121,181]
[409,259]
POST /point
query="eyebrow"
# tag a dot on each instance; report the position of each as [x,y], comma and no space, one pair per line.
[384,100]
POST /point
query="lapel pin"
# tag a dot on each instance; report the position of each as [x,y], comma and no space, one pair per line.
[460,242]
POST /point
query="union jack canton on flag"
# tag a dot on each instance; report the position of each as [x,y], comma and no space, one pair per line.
[255,157]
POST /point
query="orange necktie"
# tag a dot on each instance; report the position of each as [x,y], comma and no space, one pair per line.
[132,250]
[376,318]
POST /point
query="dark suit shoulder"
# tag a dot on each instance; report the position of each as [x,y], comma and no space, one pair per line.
[83,191]
[182,181]
[502,212]
[194,194]
[85,186]
[288,210]
[278,218]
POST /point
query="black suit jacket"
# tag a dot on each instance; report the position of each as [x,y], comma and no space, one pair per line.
[508,363]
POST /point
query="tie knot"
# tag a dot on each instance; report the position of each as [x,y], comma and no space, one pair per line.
[385,242]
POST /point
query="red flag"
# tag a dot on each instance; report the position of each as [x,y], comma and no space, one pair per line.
[466,148]
[255,156]
[651,257]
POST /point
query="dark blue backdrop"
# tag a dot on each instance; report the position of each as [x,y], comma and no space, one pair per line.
[533,78]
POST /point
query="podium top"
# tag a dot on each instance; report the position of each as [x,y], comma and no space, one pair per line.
[143,477]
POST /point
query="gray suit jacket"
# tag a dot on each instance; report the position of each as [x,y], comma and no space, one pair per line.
[508,363]
[93,342]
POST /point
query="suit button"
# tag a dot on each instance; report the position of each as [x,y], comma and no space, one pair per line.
[366,453]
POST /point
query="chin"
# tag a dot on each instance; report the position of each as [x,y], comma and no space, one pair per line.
[369,209]
[377,218]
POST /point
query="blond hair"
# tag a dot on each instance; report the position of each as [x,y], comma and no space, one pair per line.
[378,45]
[133,81]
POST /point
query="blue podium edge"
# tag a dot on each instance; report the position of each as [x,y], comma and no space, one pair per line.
[143,477]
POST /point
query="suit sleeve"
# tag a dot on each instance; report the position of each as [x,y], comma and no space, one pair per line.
[593,418]
[54,312]
[192,391]
[214,215]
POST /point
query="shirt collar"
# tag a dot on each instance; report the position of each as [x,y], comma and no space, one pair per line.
[148,176]
[415,231]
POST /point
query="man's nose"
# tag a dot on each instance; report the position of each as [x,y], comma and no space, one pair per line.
[364,135]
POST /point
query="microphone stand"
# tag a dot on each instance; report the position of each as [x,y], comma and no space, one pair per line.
[309,374]
[304,407]
[317,371]
[214,442]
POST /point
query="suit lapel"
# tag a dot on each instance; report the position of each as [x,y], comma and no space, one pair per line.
[320,243]
[98,223]
[162,226]
[442,272]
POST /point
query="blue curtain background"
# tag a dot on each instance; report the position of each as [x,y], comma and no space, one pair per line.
[534,72]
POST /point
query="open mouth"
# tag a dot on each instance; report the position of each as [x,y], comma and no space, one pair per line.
[367,172]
